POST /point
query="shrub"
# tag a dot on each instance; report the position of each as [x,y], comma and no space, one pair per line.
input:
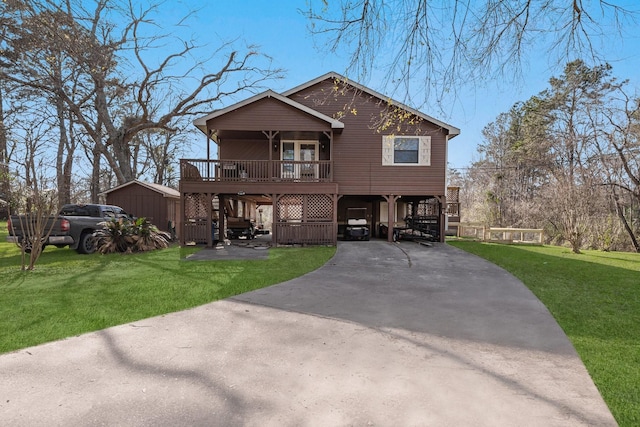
[125,235]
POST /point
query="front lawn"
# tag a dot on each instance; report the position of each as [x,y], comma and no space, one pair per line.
[595,297]
[70,294]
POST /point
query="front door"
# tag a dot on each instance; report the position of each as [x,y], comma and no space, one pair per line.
[303,156]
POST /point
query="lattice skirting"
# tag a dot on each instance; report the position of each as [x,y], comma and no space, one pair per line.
[305,219]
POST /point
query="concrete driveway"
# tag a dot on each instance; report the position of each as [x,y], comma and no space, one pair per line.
[384,334]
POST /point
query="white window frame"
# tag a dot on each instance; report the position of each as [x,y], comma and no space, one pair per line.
[388,149]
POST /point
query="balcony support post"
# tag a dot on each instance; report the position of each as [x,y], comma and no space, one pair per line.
[271,135]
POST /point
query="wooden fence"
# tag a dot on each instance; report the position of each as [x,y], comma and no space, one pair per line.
[501,234]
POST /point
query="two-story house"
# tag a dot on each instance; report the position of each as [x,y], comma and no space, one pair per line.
[311,153]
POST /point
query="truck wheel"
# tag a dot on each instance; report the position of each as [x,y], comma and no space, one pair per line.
[29,247]
[87,244]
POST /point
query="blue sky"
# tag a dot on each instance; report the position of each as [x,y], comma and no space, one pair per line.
[280,31]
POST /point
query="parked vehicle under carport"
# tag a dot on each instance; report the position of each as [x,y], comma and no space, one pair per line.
[357,225]
[240,228]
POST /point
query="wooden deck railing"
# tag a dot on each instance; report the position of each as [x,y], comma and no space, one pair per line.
[256,170]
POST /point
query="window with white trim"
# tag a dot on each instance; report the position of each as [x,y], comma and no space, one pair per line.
[406,150]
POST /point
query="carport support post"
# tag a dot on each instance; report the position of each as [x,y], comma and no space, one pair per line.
[183,215]
[442,200]
[336,199]
[391,214]
[274,219]
[209,202]
[221,219]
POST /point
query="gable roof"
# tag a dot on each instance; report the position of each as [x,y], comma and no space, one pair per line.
[453,131]
[162,189]
[201,123]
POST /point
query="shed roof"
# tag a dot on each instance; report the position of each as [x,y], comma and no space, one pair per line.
[158,188]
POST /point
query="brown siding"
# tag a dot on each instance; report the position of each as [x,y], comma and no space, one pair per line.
[268,114]
[258,149]
[357,151]
[250,149]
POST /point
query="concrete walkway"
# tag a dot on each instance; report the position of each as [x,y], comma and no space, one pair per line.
[384,334]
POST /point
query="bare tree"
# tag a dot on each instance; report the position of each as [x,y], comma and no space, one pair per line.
[38,198]
[160,151]
[619,155]
[434,45]
[38,221]
[117,91]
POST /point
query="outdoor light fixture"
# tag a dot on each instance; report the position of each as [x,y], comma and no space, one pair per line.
[241,193]
[275,146]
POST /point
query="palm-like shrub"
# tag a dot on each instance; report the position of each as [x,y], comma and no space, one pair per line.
[147,237]
[115,236]
[125,235]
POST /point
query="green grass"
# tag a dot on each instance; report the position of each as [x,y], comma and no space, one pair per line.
[70,294]
[595,298]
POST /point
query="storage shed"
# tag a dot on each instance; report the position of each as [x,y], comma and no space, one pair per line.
[158,203]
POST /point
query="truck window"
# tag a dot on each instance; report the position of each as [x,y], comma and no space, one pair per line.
[74,211]
[120,213]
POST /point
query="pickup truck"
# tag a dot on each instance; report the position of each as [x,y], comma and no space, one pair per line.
[74,226]
[240,228]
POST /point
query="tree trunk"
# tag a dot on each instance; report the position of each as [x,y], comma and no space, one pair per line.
[63,166]
[95,174]
[4,163]
[625,223]
[122,155]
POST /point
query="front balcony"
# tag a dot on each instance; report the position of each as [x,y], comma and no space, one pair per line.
[256,170]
